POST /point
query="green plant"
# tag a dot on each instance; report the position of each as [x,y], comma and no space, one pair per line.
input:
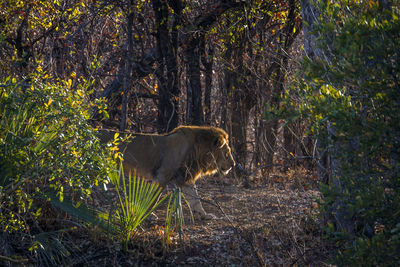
[52,248]
[47,147]
[136,201]
[174,216]
[351,97]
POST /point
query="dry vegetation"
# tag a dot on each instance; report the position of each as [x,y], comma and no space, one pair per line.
[273,223]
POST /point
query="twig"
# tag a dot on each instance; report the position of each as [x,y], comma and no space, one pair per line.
[248,173]
[263,167]
[236,229]
[239,232]
[13,260]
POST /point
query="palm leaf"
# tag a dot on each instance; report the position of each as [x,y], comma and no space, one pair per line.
[137,200]
[83,212]
[53,248]
[174,216]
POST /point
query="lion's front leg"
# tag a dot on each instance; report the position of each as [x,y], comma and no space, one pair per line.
[190,193]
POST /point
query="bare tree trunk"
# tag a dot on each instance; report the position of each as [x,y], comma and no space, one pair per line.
[167,73]
[242,100]
[271,126]
[128,68]
[226,87]
[310,15]
[194,84]
[239,121]
[270,92]
[207,60]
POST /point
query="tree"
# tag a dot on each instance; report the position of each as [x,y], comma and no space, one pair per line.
[163,63]
[168,71]
[351,92]
[255,49]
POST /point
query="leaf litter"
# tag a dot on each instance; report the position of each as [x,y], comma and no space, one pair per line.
[273,223]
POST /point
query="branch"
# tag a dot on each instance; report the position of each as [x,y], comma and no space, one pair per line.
[206,21]
[142,68]
[13,260]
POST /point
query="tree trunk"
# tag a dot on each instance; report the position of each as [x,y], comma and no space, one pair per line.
[242,100]
[310,15]
[226,88]
[128,69]
[239,122]
[167,72]
[267,131]
[195,106]
[207,60]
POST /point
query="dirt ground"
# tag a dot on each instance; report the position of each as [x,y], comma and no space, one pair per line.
[274,223]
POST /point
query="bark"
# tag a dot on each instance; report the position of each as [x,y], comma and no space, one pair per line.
[297,146]
[242,100]
[141,69]
[167,71]
[310,15]
[24,51]
[195,106]
[195,48]
[271,91]
[207,60]
[224,85]
[128,69]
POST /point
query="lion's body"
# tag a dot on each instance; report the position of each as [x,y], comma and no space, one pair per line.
[181,156]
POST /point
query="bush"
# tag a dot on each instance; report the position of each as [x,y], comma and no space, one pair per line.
[47,148]
[352,97]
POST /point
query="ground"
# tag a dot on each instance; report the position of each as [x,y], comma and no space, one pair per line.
[272,223]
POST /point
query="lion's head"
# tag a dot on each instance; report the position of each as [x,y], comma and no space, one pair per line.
[222,157]
[218,156]
[210,153]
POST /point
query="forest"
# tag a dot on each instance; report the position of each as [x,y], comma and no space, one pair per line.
[307,90]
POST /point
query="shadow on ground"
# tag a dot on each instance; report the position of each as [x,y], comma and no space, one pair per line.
[273,223]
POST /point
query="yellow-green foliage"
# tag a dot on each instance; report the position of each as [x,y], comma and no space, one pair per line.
[46,146]
[354,89]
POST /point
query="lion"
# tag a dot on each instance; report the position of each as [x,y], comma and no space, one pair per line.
[181,156]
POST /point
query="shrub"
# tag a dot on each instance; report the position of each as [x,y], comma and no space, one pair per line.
[352,98]
[47,147]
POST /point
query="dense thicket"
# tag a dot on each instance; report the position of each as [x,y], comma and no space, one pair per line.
[154,64]
[164,63]
[350,93]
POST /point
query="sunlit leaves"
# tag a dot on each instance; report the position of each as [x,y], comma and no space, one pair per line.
[351,88]
[27,25]
[45,144]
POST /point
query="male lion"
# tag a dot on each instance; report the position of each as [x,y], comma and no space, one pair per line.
[181,156]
